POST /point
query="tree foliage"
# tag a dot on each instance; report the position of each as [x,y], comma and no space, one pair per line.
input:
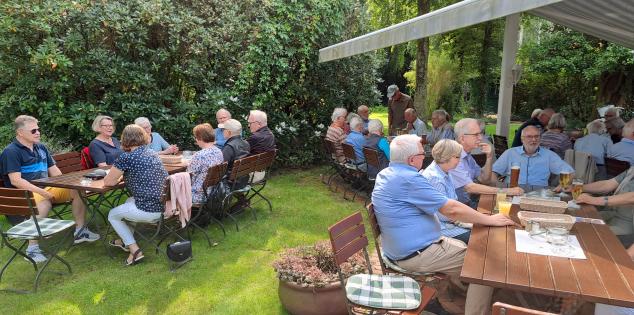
[177,62]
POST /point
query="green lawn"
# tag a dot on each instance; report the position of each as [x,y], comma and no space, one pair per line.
[235,277]
[381,113]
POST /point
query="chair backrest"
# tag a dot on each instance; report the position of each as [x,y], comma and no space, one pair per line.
[166,193]
[86,160]
[264,161]
[328,146]
[376,232]
[17,202]
[372,157]
[615,167]
[242,167]
[507,309]
[347,237]
[214,175]
[500,144]
[481,159]
[68,162]
[348,152]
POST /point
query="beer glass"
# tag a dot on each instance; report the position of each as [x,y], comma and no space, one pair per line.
[577,188]
[505,207]
[565,179]
[515,174]
[500,196]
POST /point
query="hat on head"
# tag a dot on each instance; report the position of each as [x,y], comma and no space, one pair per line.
[391,90]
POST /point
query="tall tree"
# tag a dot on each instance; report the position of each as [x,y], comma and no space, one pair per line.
[422,54]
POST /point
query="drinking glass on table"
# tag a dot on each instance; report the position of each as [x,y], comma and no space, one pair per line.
[515,174]
[499,196]
[505,207]
[559,239]
[565,180]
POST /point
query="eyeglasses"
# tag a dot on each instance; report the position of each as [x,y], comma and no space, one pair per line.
[419,154]
[477,134]
[531,137]
[107,126]
[252,122]
[34,131]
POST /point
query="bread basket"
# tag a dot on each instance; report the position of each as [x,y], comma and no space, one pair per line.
[170,159]
[543,205]
[547,220]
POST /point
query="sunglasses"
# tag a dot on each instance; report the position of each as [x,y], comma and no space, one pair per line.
[34,131]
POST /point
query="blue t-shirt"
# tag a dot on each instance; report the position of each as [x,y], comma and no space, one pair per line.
[144,176]
[158,144]
[101,152]
[32,164]
[406,205]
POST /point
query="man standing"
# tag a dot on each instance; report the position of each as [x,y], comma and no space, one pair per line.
[624,150]
[469,135]
[222,115]
[540,121]
[396,105]
[364,112]
[261,139]
[536,163]
[26,159]
[406,205]
[415,126]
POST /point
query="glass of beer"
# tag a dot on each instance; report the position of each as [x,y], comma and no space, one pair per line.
[500,196]
[505,207]
[515,174]
[577,188]
[565,179]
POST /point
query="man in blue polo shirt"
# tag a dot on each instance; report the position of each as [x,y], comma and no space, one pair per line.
[406,205]
[26,159]
[357,140]
[536,163]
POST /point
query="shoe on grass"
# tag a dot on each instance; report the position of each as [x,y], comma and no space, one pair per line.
[36,255]
[85,235]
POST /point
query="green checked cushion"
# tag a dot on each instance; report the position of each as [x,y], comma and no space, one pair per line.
[383,291]
[27,230]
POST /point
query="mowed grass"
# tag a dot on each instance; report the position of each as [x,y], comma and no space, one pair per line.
[381,113]
[234,277]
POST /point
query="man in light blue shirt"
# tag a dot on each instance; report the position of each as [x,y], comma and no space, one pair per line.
[624,150]
[406,205]
[536,163]
[469,135]
[357,140]
[414,124]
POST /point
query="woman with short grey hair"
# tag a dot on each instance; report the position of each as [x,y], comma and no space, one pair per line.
[336,132]
[555,139]
[596,143]
[157,143]
[446,154]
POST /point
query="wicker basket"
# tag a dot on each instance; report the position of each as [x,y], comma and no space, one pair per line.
[543,205]
[547,220]
[170,159]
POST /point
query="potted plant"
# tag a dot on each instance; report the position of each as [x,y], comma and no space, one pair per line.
[309,283]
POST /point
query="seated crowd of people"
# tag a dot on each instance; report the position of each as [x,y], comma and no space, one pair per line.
[134,159]
[425,214]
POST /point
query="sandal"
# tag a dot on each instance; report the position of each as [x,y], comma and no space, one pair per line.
[137,257]
[120,245]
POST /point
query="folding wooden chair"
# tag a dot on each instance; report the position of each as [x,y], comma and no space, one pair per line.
[242,168]
[215,175]
[338,168]
[51,234]
[507,309]
[615,167]
[67,163]
[263,164]
[347,238]
[500,144]
[358,175]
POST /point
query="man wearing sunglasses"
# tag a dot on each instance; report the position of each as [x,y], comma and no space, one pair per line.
[26,159]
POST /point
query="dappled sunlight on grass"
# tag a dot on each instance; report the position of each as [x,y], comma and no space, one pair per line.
[55,307]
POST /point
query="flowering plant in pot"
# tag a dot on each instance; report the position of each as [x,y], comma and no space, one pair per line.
[309,283]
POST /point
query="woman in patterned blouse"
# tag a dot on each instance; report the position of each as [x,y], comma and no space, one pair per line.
[144,177]
[208,156]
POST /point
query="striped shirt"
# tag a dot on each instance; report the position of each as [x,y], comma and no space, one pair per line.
[337,135]
[443,183]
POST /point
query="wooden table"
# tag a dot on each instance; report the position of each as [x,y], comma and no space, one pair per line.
[606,276]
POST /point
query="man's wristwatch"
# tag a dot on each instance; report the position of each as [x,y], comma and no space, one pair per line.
[605,201]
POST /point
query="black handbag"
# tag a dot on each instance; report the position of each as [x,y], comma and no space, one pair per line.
[179,252]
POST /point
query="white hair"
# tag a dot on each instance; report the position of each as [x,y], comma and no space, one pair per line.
[402,147]
[355,123]
[142,122]
[462,126]
[222,110]
[338,112]
[596,126]
[536,112]
[259,116]
[614,110]
[233,126]
[375,125]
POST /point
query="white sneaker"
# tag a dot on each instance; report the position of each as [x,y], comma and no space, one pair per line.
[85,235]
[36,255]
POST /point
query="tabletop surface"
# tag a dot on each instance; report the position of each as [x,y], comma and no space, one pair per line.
[73,180]
[606,276]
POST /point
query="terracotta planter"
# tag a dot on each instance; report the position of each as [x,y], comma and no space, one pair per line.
[298,300]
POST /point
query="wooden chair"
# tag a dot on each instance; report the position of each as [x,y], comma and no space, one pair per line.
[480,159]
[372,159]
[507,309]
[67,163]
[263,164]
[52,234]
[615,167]
[347,238]
[426,277]
[357,178]
[242,168]
[500,144]
[215,175]
[338,168]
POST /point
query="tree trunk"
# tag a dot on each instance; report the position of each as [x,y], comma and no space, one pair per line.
[485,57]
[422,54]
